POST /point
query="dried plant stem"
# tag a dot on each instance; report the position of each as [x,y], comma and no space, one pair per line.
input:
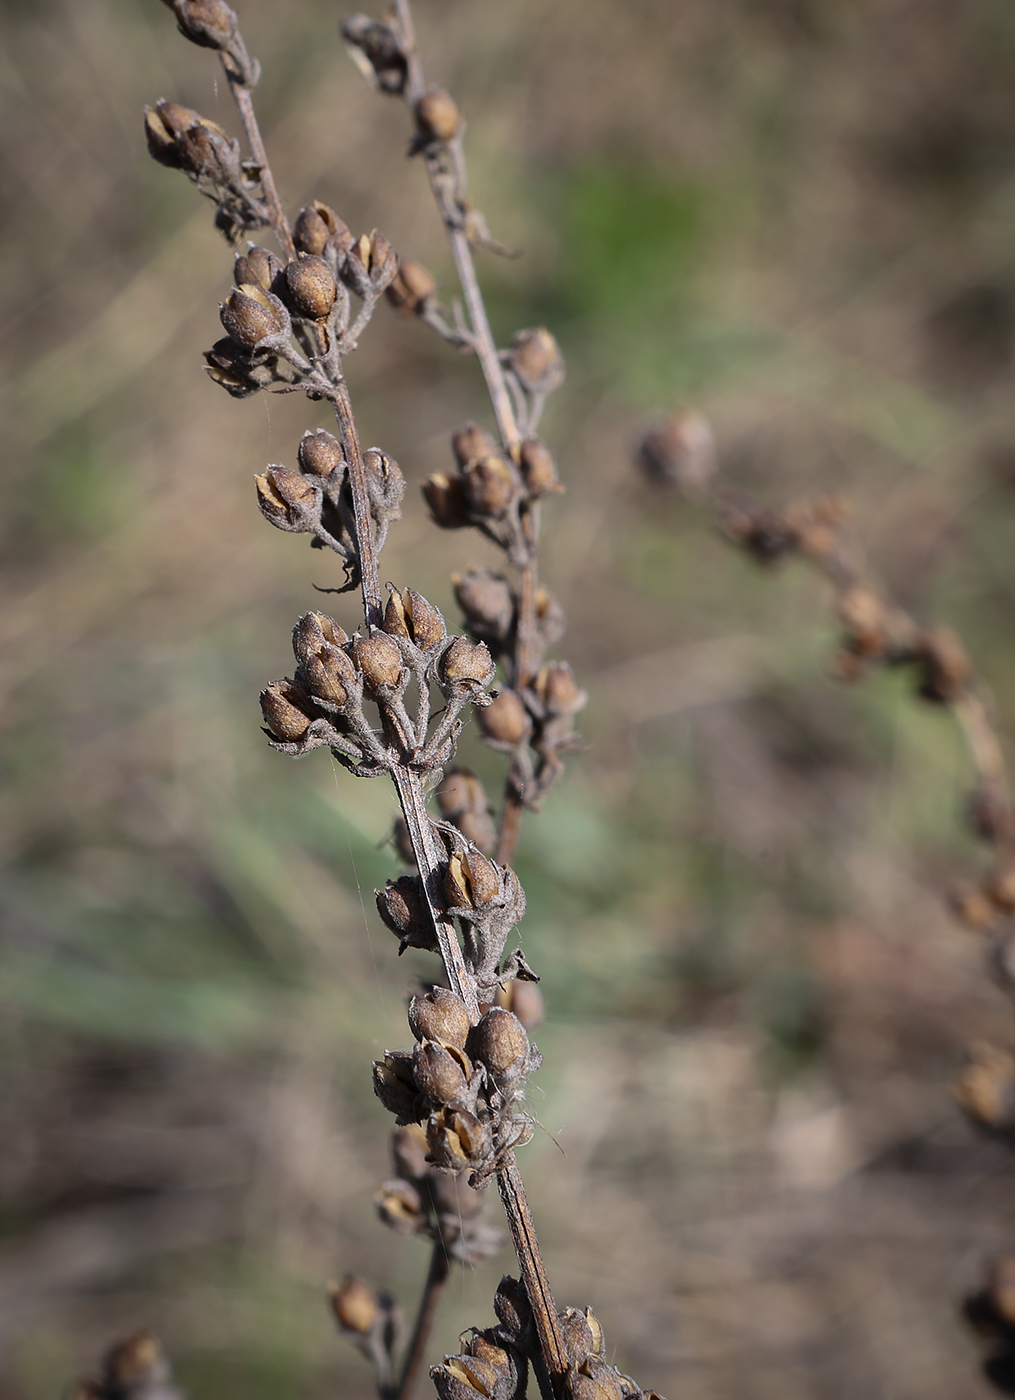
[429,858]
[530,1262]
[366,553]
[429,1303]
[245,103]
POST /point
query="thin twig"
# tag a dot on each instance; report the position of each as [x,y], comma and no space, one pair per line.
[276,213]
[429,1303]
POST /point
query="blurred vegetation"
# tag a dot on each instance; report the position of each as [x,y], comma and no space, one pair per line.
[796,214]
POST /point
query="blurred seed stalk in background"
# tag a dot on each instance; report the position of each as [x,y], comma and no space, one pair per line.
[799,218]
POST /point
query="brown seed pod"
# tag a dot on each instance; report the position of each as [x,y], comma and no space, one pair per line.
[441,1016]
[472,442]
[437,115]
[409,615]
[408,1152]
[257,267]
[500,1041]
[400,1206]
[354,1304]
[535,358]
[506,720]
[380,661]
[679,452]
[490,485]
[466,664]
[310,287]
[320,453]
[395,1085]
[317,225]
[441,1072]
[285,709]
[447,501]
[412,288]
[538,468]
[249,316]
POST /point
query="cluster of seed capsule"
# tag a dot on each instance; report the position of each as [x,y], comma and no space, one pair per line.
[462,1083]
[322,703]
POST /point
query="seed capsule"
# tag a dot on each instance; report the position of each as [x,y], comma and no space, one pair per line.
[437,115]
[256,267]
[446,498]
[209,23]
[249,317]
[555,686]
[488,602]
[408,1152]
[525,1000]
[354,1304]
[403,909]
[506,720]
[538,468]
[317,225]
[330,675]
[511,1305]
[472,442]
[500,1041]
[679,452]
[490,485]
[320,453]
[412,288]
[467,664]
[287,499]
[380,661]
[310,287]
[535,358]
[399,1205]
[441,1016]
[409,615]
[284,707]
[442,1073]
[395,1086]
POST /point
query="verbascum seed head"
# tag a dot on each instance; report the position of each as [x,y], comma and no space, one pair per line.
[320,453]
[413,287]
[380,661]
[506,720]
[354,1304]
[310,287]
[437,115]
[285,709]
[440,1015]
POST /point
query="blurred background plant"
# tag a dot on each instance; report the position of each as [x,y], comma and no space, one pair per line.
[797,215]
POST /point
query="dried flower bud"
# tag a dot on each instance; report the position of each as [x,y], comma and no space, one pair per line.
[380,661]
[511,1305]
[679,452]
[500,1041]
[490,485]
[506,721]
[488,602]
[441,1016]
[437,115]
[355,1305]
[472,442]
[441,1072]
[484,1347]
[524,1000]
[377,52]
[257,267]
[408,1152]
[555,686]
[446,498]
[945,669]
[320,453]
[250,316]
[412,288]
[399,1205]
[395,1086]
[985,1089]
[409,615]
[210,23]
[466,664]
[534,357]
[310,287]
[403,909]
[285,709]
[538,468]
[317,225]
[288,500]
